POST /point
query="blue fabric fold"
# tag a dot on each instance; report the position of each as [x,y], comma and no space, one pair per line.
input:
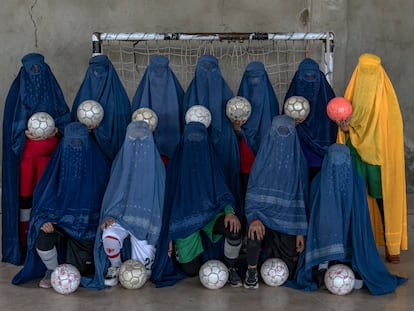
[35,89]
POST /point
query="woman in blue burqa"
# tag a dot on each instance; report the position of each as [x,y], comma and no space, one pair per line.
[340,228]
[35,89]
[66,207]
[317,132]
[198,213]
[132,207]
[102,84]
[161,91]
[209,89]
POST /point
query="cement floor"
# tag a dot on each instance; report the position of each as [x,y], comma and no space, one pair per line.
[190,295]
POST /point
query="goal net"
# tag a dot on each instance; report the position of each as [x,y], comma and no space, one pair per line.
[280,53]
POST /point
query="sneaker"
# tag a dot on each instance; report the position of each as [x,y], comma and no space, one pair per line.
[45,282]
[358,284]
[234,278]
[111,277]
[252,279]
[320,278]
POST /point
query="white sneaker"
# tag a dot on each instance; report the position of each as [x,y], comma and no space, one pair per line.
[111,277]
[45,282]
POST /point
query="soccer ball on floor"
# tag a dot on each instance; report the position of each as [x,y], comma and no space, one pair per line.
[147,115]
[238,108]
[132,274]
[213,274]
[297,107]
[338,109]
[65,279]
[274,272]
[339,279]
[90,113]
[41,125]
[198,113]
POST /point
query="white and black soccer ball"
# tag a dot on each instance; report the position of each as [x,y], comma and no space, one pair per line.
[297,107]
[132,274]
[65,279]
[238,108]
[147,115]
[274,272]
[41,125]
[339,279]
[213,274]
[198,113]
[90,113]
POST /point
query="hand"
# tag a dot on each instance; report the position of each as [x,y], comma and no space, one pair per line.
[48,227]
[232,221]
[256,230]
[344,124]
[300,243]
[92,127]
[237,124]
[31,137]
[107,222]
[299,121]
[170,248]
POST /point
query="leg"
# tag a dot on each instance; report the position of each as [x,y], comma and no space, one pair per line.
[46,249]
[253,252]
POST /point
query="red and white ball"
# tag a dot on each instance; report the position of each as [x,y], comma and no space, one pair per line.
[213,274]
[274,272]
[297,107]
[339,279]
[41,125]
[65,279]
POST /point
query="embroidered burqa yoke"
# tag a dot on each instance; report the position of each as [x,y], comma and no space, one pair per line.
[134,197]
[339,226]
[376,132]
[209,89]
[69,193]
[35,89]
[278,181]
[161,91]
[196,191]
[317,132]
[255,86]
[102,84]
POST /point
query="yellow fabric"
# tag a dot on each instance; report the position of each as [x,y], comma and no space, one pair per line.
[376,132]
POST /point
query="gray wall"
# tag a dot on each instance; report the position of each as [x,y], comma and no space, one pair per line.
[61,31]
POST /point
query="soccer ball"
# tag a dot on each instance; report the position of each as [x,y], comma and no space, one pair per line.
[132,274]
[297,107]
[148,115]
[338,109]
[90,113]
[274,272]
[41,125]
[238,108]
[198,113]
[339,279]
[213,274]
[65,279]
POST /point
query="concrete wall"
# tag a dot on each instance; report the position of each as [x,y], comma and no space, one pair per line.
[61,31]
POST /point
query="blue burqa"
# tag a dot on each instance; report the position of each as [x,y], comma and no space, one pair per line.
[102,84]
[209,89]
[69,193]
[255,86]
[35,89]
[161,91]
[134,197]
[278,182]
[196,192]
[317,132]
[340,226]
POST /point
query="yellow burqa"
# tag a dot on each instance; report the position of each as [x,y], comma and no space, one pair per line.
[376,132]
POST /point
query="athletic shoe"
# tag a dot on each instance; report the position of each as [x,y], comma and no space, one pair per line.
[45,282]
[234,278]
[320,278]
[252,279]
[111,277]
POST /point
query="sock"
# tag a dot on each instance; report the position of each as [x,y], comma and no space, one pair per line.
[231,251]
[112,248]
[323,265]
[49,258]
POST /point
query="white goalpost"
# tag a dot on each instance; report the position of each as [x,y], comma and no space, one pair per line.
[280,53]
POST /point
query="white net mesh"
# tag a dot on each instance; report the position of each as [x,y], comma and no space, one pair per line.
[281,57]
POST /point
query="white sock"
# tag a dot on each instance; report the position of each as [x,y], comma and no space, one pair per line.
[112,249]
[323,265]
[49,258]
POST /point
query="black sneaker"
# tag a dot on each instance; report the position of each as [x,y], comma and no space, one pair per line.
[252,279]
[320,278]
[234,278]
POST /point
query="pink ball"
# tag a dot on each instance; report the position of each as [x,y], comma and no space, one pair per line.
[339,109]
